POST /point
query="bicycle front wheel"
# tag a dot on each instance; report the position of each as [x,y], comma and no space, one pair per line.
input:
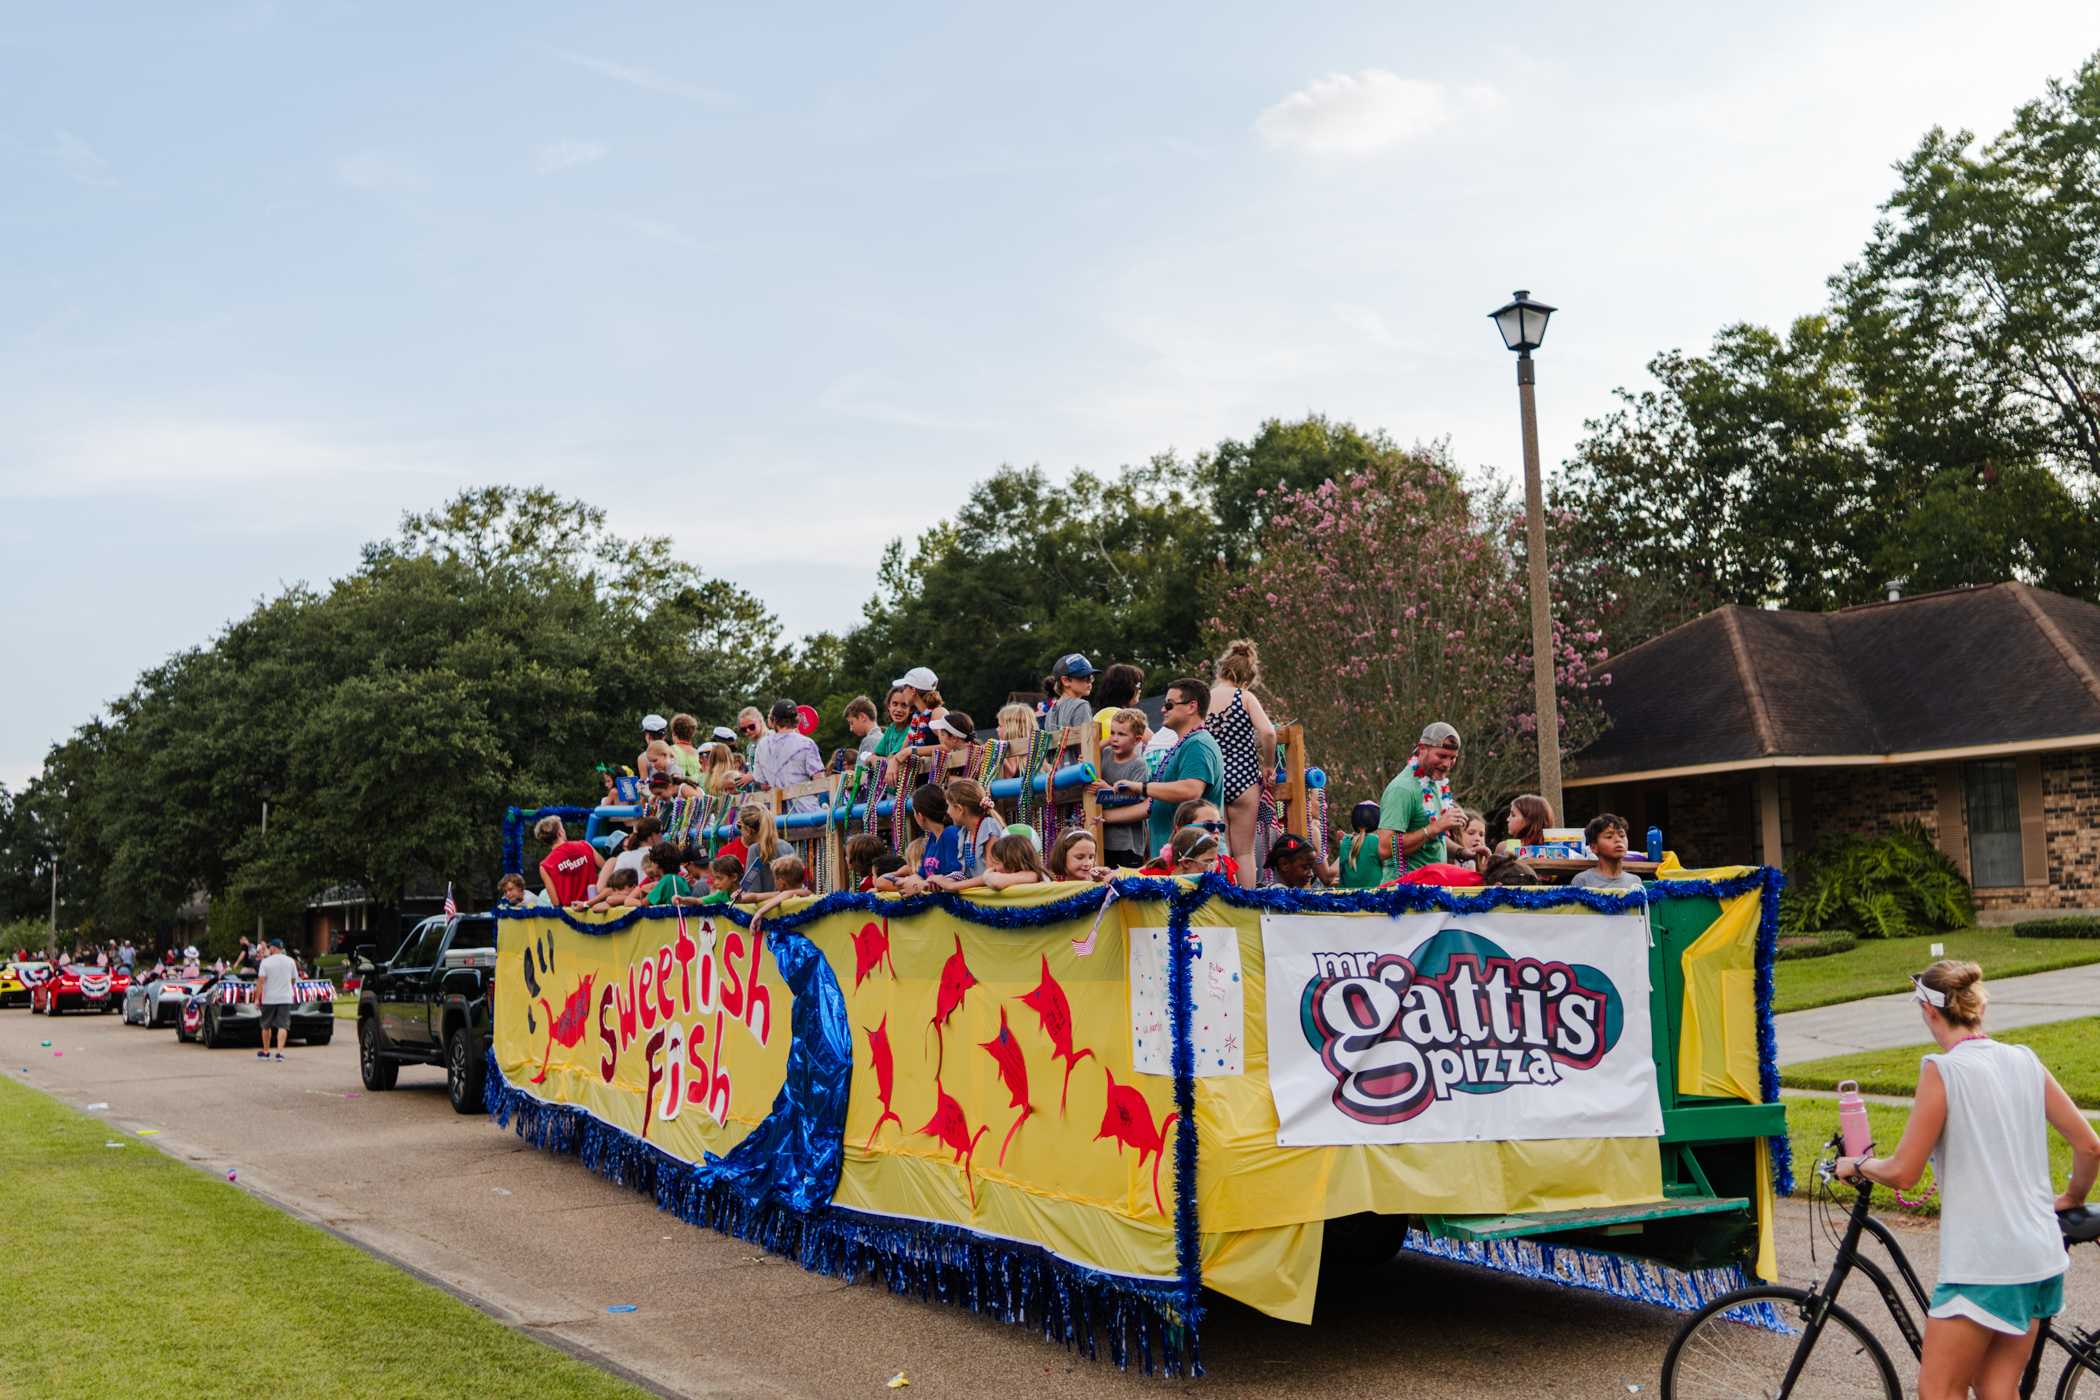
[1728,1350]
[2081,1377]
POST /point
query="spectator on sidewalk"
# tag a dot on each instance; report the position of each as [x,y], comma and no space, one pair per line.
[274,981]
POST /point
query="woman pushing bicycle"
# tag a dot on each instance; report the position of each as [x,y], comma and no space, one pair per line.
[1982,1114]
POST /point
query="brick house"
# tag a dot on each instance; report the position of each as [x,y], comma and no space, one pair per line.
[1749,735]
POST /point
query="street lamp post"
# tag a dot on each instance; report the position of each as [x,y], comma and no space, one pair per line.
[1523,326]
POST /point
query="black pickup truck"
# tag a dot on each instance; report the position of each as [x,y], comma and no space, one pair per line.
[430,1004]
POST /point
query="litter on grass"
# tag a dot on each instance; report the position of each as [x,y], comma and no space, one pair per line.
[149,1132]
[96,1107]
[229,1174]
[500,1190]
[621,1307]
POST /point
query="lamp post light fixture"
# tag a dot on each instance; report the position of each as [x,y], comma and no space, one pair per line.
[1523,326]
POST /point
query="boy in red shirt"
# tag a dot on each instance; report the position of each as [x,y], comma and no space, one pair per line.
[570,869]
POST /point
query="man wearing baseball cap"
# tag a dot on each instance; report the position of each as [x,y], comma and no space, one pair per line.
[1417,809]
[273,994]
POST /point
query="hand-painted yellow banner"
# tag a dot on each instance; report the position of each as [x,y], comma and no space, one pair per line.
[994,1082]
[674,1030]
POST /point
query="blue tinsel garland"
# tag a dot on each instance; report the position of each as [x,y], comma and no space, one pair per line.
[1014,1281]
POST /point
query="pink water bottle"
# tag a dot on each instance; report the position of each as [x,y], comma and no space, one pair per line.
[1852,1120]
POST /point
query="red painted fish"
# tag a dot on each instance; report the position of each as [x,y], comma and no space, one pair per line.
[885,1067]
[871,949]
[949,1125]
[1048,1002]
[1013,1073]
[568,1027]
[1128,1119]
[956,981]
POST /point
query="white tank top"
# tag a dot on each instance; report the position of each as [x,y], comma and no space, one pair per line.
[1997,1197]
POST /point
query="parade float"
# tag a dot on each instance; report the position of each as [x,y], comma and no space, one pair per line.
[1081,1107]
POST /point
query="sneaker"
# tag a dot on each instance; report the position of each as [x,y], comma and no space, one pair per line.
[262,1054]
[280,1059]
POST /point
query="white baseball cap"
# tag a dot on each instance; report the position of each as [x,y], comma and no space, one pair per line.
[918,678]
[654,724]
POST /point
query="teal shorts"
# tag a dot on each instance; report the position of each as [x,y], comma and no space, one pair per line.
[2003,1307]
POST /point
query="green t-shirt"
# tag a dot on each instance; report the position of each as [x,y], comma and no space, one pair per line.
[716,897]
[1402,809]
[891,740]
[668,887]
[1361,867]
[1196,756]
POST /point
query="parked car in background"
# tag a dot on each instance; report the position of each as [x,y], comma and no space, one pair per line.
[75,987]
[226,1013]
[158,1000]
[18,976]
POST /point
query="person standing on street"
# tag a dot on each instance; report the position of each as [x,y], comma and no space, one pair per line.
[1982,1116]
[273,994]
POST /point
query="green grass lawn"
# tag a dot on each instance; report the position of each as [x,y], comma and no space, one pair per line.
[2071,1049]
[98,1316]
[1880,965]
[1810,1122]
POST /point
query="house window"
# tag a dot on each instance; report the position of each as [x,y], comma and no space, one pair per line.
[1994,824]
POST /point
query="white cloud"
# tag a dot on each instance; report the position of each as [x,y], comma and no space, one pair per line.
[81,162]
[378,172]
[1367,323]
[1353,114]
[647,79]
[565,155]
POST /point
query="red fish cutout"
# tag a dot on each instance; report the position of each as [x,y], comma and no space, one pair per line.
[871,949]
[568,1027]
[953,1129]
[885,1067]
[1128,1119]
[1013,1073]
[956,981]
[1048,1002]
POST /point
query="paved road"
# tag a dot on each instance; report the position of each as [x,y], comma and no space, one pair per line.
[1882,1023]
[547,1245]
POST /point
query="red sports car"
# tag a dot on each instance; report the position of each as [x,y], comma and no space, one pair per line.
[76,988]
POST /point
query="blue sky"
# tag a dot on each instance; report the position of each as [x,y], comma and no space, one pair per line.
[781,283]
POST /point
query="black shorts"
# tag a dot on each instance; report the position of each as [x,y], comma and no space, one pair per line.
[277,1016]
[1122,860]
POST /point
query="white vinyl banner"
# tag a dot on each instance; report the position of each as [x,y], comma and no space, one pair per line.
[1436,1027]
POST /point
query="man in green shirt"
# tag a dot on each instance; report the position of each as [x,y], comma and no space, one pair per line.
[1194,767]
[1412,817]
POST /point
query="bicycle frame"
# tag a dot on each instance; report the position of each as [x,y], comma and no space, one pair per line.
[2079,1342]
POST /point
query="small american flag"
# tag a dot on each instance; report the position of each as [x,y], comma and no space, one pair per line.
[451,906]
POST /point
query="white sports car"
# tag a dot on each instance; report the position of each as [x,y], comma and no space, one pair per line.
[159,1001]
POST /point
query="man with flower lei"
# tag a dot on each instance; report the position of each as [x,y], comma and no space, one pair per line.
[1416,810]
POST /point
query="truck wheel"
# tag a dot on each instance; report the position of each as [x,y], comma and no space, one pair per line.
[1357,1244]
[211,1032]
[378,1072]
[463,1073]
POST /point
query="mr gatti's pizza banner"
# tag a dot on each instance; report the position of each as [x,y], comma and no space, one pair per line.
[996,1098]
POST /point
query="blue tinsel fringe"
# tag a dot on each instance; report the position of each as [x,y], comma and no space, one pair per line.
[1141,1320]
[964,1267]
[1620,1275]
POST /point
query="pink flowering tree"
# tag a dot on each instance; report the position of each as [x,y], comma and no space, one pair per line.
[1394,598]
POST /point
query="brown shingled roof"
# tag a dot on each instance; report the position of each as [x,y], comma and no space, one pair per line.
[1739,687]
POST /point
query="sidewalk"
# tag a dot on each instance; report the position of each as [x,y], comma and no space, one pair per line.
[1881,1023]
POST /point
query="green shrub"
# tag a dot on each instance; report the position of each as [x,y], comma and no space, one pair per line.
[1893,886]
[2063,926]
[1815,945]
